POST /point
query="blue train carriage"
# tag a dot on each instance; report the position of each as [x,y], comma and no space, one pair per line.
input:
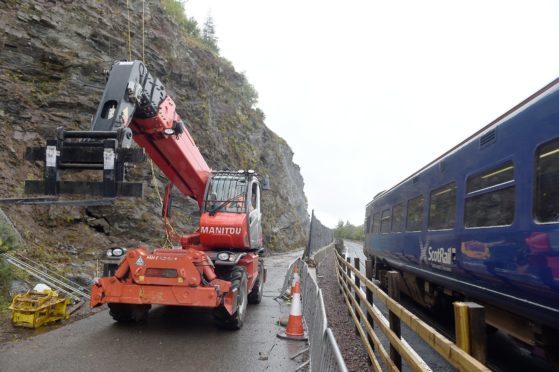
[481,223]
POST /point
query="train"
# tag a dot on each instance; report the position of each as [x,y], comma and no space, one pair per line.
[481,223]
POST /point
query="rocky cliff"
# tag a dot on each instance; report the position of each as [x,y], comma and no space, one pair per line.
[52,57]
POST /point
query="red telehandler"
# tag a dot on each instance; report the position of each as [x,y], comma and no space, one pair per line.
[220,265]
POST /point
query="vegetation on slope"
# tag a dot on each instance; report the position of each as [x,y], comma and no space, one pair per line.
[349,231]
[8,242]
[52,56]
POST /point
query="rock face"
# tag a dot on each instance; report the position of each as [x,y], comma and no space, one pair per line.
[52,57]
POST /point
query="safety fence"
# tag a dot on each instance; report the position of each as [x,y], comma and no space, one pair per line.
[45,275]
[324,352]
[319,236]
[469,321]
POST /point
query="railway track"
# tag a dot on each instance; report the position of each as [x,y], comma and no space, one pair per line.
[502,352]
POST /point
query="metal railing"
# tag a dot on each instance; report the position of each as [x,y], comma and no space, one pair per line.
[319,236]
[49,277]
[324,352]
[351,280]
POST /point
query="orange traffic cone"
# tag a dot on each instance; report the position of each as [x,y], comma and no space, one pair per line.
[296,278]
[295,329]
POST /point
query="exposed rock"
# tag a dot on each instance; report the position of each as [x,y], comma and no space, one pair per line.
[52,57]
[67,248]
[18,286]
[82,279]
[99,224]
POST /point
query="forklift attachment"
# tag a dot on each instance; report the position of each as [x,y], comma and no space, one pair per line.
[86,150]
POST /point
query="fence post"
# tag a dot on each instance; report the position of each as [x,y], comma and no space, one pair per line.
[469,326]
[393,278]
[307,252]
[369,294]
[358,284]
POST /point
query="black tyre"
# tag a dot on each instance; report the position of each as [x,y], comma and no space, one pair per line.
[239,284]
[255,296]
[128,313]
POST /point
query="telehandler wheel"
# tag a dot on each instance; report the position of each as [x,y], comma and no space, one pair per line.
[128,313]
[239,281]
[255,296]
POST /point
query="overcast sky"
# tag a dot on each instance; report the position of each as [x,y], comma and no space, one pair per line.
[367,92]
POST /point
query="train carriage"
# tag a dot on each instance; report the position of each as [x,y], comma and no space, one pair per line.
[481,222]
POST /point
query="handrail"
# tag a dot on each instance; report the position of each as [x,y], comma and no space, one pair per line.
[52,273]
[58,284]
[62,284]
[324,353]
[446,348]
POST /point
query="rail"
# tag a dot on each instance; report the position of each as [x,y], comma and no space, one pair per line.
[350,278]
[53,279]
[52,272]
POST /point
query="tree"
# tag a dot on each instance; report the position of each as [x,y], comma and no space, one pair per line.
[348,231]
[208,34]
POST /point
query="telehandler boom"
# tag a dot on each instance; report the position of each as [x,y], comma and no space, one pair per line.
[220,265]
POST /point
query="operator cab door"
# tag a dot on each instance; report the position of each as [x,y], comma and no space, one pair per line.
[254,215]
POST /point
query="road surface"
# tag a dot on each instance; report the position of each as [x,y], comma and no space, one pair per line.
[173,339]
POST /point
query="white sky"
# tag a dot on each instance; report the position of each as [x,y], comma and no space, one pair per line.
[367,92]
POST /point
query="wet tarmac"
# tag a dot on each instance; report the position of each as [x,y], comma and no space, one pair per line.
[173,339]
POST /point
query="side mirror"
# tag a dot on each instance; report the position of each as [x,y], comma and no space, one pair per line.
[265,184]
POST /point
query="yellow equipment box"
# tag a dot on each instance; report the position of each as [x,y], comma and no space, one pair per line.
[35,309]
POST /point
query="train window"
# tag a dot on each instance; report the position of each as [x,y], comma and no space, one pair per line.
[494,207]
[385,221]
[398,218]
[546,203]
[367,222]
[495,176]
[415,214]
[376,223]
[442,207]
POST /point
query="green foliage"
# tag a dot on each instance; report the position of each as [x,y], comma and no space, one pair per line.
[8,238]
[6,277]
[248,91]
[175,9]
[349,231]
[208,34]
[8,242]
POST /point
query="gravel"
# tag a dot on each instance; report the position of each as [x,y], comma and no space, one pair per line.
[339,320]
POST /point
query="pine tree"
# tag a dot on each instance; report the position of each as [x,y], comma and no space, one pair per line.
[208,34]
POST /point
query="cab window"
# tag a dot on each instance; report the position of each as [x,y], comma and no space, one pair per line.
[376,223]
[385,221]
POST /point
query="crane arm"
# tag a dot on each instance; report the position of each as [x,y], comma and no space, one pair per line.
[140,103]
[169,144]
[134,105]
